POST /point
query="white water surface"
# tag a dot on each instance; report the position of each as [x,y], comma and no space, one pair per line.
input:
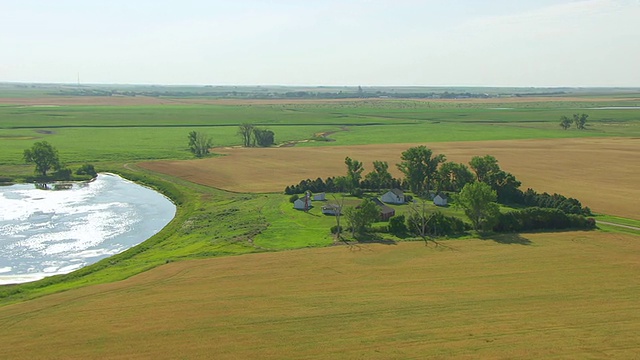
[49,232]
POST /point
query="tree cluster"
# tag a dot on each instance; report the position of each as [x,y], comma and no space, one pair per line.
[199,143]
[253,136]
[46,158]
[580,120]
[554,201]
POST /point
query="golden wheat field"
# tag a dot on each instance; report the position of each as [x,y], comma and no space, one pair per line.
[601,172]
[556,295]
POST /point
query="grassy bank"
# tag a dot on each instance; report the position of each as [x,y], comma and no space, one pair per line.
[208,223]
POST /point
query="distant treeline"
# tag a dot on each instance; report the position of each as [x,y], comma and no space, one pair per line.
[288,94]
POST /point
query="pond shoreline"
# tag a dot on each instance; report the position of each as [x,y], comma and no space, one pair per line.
[52,231]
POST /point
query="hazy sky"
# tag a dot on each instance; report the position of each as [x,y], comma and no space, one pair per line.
[322,42]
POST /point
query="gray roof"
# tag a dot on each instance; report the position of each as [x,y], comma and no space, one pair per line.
[397,192]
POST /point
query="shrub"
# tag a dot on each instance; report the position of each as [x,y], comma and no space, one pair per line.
[380,229]
[62,174]
[397,225]
[87,169]
[334,229]
[293,198]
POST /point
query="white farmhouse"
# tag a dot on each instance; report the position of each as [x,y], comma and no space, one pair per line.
[394,196]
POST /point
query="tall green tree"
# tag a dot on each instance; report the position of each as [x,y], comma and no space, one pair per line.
[199,143]
[453,176]
[354,173]
[488,171]
[362,217]
[380,177]
[245,130]
[565,122]
[478,201]
[419,166]
[44,155]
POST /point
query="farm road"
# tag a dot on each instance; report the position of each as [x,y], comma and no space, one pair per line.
[619,225]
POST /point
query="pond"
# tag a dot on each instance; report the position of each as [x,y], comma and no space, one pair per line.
[49,230]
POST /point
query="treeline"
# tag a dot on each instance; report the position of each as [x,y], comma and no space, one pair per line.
[302,94]
[536,218]
[331,185]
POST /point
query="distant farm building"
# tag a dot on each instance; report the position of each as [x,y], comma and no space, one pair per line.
[304,203]
[441,199]
[319,197]
[331,209]
[386,212]
[394,196]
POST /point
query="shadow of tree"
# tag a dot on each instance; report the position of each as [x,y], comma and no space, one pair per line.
[507,239]
[374,239]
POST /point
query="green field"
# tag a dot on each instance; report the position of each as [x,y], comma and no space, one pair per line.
[568,294]
[129,133]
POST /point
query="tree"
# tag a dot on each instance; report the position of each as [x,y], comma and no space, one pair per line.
[360,218]
[478,201]
[44,156]
[246,131]
[380,177]
[263,138]
[418,220]
[485,167]
[419,167]
[354,174]
[580,120]
[453,177]
[338,214]
[565,122]
[488,171]
[199,143]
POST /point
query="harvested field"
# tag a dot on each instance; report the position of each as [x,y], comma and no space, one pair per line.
[564,295]
[602,173]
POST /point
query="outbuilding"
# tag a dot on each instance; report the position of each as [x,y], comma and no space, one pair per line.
[303,203]
[441,200]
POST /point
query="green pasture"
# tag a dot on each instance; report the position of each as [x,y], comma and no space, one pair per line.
[133,133]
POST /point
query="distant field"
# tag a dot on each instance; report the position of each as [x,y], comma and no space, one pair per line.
[562,295]
[602,173]
[96,133]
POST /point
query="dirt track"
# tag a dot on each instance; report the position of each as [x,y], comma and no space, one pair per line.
[602,173]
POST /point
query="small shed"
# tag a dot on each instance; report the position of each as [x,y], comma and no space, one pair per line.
[320,197]
[441,200]
[393,196]
[303,203]
[331,209]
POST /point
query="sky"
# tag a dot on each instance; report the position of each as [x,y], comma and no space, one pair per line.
[541,43]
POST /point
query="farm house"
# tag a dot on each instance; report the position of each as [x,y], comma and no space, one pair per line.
[393,196]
